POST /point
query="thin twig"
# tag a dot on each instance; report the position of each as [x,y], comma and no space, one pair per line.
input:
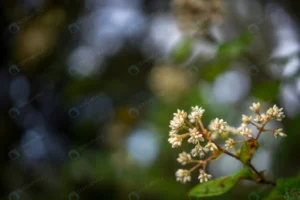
[260,131]
[226,152]
[201,125]
[191,126]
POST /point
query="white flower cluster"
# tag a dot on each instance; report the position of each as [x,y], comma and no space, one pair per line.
[196,113]
[183,175]
[197,134]
[204,176]
[261,119]
[219,125]
[177,123]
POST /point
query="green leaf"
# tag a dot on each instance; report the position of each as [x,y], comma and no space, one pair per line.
[236,47]
[227,53]
[209,73]
[182,51]
[221,185]
[247,151]
[266,91]
[287,188]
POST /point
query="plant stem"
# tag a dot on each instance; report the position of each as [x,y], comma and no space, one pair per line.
[262,179]
[260,131]
[196,166]
[226,152]
[255,125]
[191,126]
[202,127]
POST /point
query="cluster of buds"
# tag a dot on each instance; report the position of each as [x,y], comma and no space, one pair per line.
[205,147]
[196,17]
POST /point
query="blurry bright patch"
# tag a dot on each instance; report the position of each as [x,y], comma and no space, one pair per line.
[292,67]
[108,27]
[286,34]
[166,77]
[217,167]
[231,87]
[290,99]
[19,90]
[98,109]
[32,146]
[142,146]
[164,34]
[82,62]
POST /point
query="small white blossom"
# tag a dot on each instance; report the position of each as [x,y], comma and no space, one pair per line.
[211,146]
[175,140]
[184,158]
[246,132]
[279,132]
[195,136]
[233,130]
[214,135]
[180,113]
[183,175]
[262,119]
[199,150]
[246,120]
[276,113]
[196,113]
[229,143]
[204,176]
[219,125]
[172,132]
[255,107]
[176,124]
[259,119]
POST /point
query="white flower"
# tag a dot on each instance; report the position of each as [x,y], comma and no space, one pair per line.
[204,176]
[229,143]
[255,107]
[195,136]
[259,119]
[276,113]
[172,132]
[219,125]
[211,146]
[246,120]
[279,132]
[184,158]
[180,114]
[176,124]
[183,175]
[246,132]
[175,140]
[262,119]
[196,113]
[233,130]
[199,150]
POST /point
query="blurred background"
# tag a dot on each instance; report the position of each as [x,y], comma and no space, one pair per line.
[88,89]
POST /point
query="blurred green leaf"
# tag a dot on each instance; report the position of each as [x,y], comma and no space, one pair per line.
[182,51]
[266,91]
[221,185]
[227,52]
[287,188]
[236,47]
[210,72]
[247,151]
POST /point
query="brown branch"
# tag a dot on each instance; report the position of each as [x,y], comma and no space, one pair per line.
[226,152]
[262,179]
[260,131]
